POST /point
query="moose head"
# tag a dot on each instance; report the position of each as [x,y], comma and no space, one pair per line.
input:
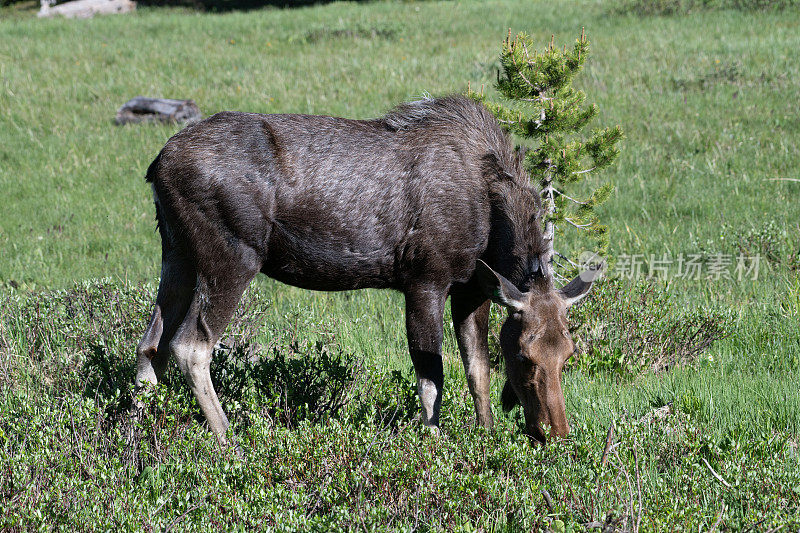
[536,343]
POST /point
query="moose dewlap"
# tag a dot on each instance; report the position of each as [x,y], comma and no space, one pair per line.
[429,200]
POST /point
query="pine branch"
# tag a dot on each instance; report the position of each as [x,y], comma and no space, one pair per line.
[570,198]
[567,259]
[575,224]
[585,171]
[538,102]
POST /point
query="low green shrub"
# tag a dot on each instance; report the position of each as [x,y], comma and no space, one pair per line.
[328,438]
[637,326]
[774,243]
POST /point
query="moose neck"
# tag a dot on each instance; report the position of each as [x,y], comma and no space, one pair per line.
[516,244]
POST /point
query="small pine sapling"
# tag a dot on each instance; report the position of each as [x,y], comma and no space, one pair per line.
[539,103]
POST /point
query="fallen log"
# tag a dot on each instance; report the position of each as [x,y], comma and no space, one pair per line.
[84,9]
[143,109]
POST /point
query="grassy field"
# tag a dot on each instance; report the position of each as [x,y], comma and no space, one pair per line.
[319,385]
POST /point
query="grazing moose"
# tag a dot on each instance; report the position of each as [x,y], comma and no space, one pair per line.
[430,200]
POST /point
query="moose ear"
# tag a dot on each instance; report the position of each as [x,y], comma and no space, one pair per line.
[497,288]
[576,289]
[508,398]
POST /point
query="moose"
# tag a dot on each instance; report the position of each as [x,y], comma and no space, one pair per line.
[430,200]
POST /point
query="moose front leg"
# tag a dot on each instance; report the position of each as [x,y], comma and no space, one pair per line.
[424,315]
[471,325]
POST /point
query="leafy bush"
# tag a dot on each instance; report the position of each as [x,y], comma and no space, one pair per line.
[295,378]
[773,242]
[328,439]
[770,241]
[299,373]
[88,323]
[638,327]
[290,382]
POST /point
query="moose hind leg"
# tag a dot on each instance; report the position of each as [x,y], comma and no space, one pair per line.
[424,315]
[178,279]
[193,344]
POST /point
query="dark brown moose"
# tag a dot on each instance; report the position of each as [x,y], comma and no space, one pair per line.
[430,200]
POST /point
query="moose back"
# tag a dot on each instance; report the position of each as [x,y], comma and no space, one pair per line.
[430,200]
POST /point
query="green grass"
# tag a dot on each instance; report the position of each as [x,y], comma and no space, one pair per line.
[708,104]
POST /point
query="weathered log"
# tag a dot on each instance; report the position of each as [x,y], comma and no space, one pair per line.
[84,9]
[143,109]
